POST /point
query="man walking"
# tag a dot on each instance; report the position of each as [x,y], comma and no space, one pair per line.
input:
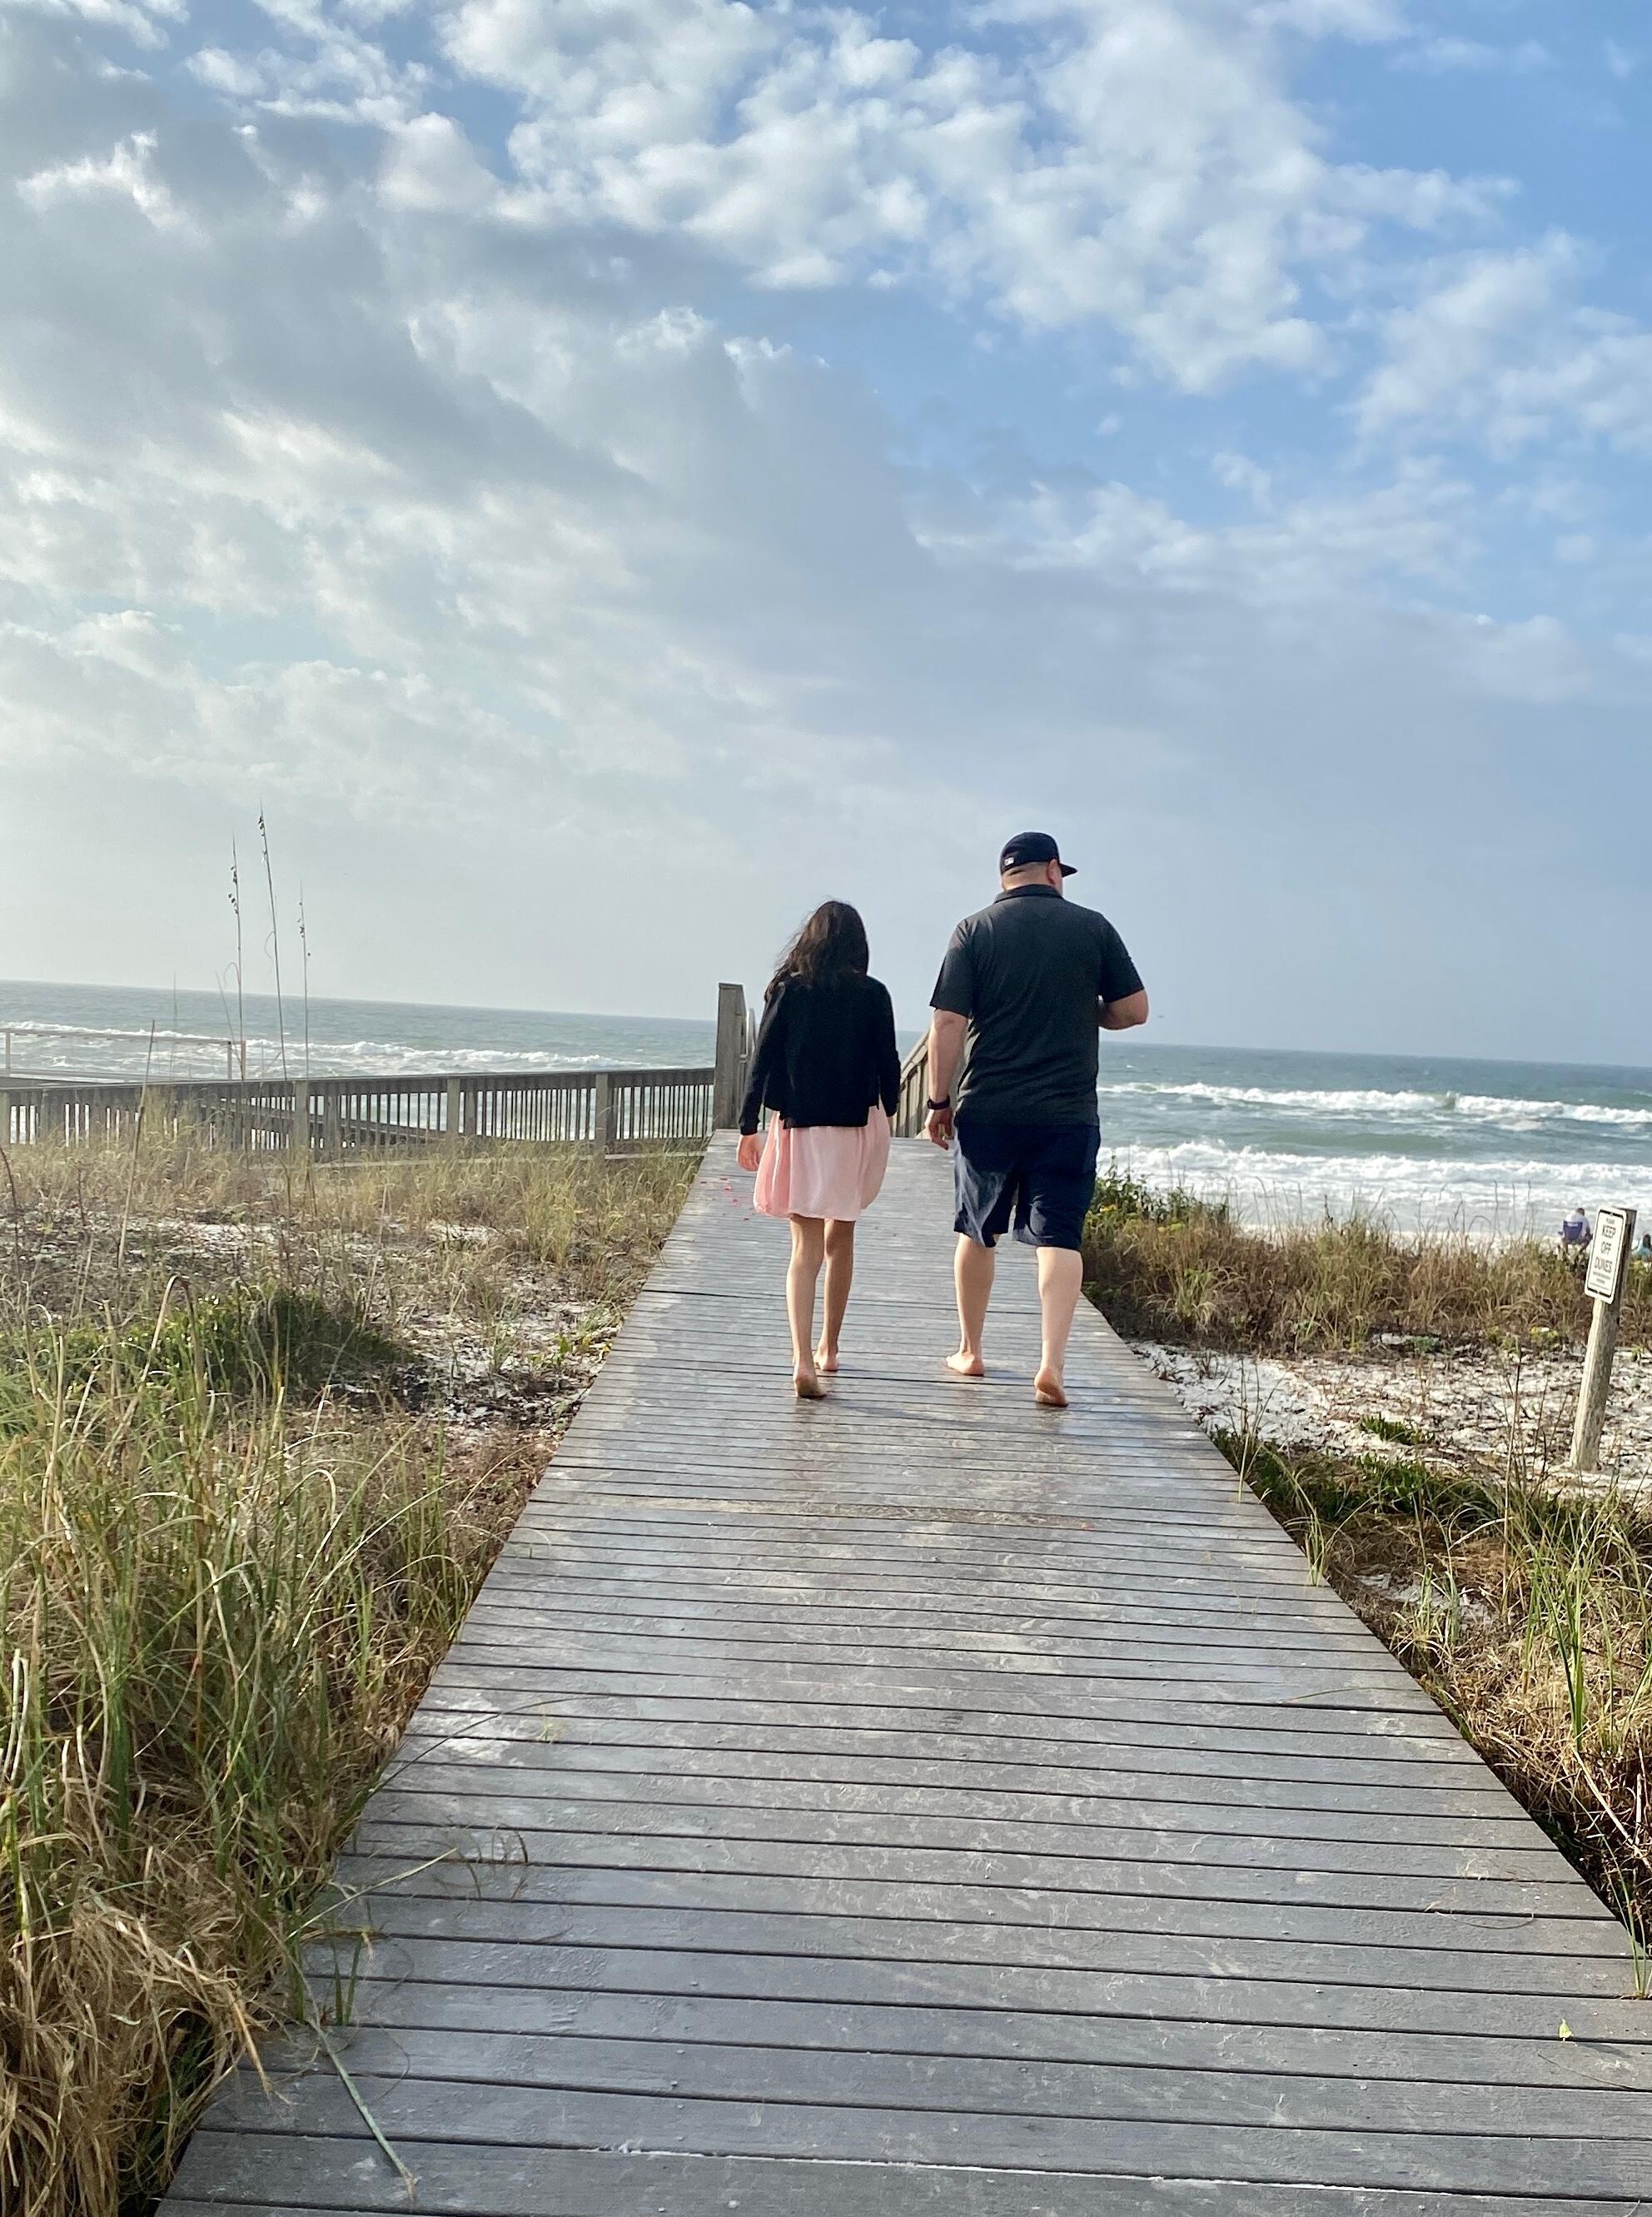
[1027,982]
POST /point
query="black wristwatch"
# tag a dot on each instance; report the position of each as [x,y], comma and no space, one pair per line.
[931,1106]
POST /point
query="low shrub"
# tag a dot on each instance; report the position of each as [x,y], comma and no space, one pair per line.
[1170,1267]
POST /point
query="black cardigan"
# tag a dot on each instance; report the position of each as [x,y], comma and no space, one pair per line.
[825,1054]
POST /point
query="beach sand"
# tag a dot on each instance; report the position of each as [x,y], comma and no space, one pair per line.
[1483,1411]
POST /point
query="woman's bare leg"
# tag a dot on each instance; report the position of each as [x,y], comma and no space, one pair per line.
[808,1248]
[839,1276]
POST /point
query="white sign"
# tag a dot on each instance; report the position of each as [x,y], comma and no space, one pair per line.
[1607,1256]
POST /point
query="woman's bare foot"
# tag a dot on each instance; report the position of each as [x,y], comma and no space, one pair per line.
[807,1386]
[1048,1391]
[826,1358]
[965,1365]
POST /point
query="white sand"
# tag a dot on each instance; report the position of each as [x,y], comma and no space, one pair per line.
[1480,1410]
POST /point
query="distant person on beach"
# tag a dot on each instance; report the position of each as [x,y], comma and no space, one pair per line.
[826,1067]
[1643,1249]
[1575,1235]
[1026,986]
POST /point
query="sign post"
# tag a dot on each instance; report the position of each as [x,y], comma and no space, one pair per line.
[1608,1273]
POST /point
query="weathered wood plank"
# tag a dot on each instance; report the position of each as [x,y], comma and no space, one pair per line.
[506,1899]
[1532,1882]
[454,2112]
[1611,2033]
[1226,2090]
[736,1779]
[918,1803]
[926,2029]
[493,2182]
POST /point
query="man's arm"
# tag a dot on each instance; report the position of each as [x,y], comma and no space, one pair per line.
[1122,1015]
[946,1045]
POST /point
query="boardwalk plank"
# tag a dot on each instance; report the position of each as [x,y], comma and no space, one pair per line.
[928,2029]
[488,2182]
[1610,2027]
[921,1803]
[456,2113]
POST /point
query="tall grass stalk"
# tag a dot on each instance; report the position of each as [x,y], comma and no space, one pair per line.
[229,1557]
[1168,1266]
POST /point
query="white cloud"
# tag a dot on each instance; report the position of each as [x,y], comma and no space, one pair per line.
[1623,61]
[1498,347]
[147,23]
[1439,56]
[1138,163]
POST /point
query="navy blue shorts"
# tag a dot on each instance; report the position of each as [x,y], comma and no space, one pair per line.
[1039,1177]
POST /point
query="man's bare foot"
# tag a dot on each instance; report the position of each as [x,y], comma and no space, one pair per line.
[967,1365]
[1048,1391]
[826,1358]
[807,1386]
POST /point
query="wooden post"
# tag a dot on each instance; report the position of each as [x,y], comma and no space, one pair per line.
[1608,1275]
[301,1115]
[602,1108]
[728,1077]
[5,1119]
[332,1123]
[454,1117]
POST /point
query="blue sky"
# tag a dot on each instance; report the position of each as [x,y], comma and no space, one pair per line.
[603,475]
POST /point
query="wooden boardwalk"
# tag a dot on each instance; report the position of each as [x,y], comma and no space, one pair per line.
[919,1803]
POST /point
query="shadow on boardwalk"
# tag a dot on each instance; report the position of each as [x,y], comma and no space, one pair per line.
[921,1803]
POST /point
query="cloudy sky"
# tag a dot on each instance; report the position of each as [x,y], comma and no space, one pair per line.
[603,475]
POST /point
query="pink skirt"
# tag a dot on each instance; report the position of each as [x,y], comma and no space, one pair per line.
[823,1169]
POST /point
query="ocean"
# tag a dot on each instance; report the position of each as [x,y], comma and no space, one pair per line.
[1492,1149]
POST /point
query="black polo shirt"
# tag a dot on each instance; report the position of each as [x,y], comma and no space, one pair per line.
[1030,974]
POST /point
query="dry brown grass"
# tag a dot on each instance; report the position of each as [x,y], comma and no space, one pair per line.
[253,1467]
[1168,1267]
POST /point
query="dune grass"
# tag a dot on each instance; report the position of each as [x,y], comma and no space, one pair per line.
[1167,1266]
[1526,1611]
[237,1530]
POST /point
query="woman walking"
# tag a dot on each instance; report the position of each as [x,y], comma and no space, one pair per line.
[825,1066]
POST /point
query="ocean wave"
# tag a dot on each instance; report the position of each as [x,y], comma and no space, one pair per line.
[67,1050]
[1497,1110]
[386,1059]
[1500,1198]
[1330,1103]
[1484,1108]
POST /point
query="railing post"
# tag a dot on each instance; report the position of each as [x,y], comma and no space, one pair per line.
[729,1069]
[910,1117]
[5,1119]
[332,1122]
[452,1121]
[301,1115]
[602,1111]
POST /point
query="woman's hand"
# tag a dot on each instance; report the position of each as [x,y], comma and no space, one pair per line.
[751,1151]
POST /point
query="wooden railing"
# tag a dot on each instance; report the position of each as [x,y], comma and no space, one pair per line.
[621,1111]
[915,1091]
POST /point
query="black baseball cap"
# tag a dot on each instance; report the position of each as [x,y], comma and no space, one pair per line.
[1027,848]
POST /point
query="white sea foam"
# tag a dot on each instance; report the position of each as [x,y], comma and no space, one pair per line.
[1501,1198]
[1500,1111]
[1368,1101]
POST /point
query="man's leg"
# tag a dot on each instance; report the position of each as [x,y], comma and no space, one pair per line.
[1061,1280]
[972,1271]
[839,1276]
[808,1246]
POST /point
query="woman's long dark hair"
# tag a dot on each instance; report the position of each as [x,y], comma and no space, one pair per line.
[831,945]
